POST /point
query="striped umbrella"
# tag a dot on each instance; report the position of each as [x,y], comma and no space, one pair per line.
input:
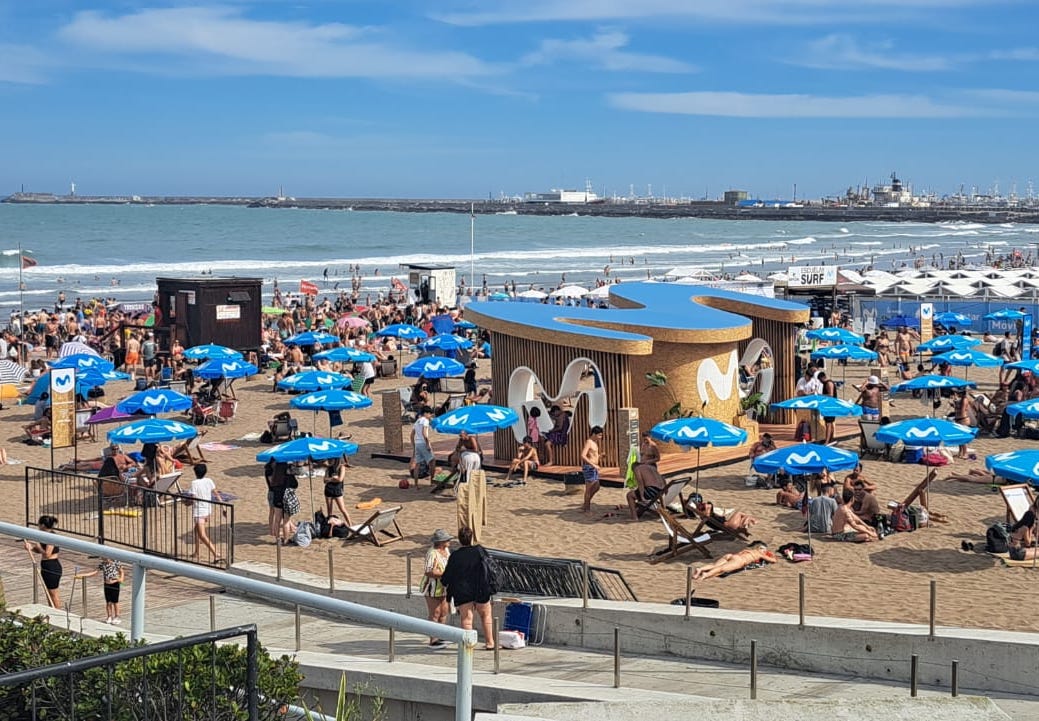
[11,372]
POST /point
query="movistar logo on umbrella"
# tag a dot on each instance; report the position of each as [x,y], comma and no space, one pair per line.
[456,420]
[803,459]
[324,445]
[435,365]
[687,432]
[921,432]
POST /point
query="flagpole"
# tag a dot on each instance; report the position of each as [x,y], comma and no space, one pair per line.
[21,302]
[472,249]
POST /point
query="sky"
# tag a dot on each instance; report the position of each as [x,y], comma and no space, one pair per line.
[482,98]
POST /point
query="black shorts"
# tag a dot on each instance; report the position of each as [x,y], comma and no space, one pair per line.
[650,494]
[276,497]
[829,419]
[369,381]
[1017,553]
[50,572]
[334,490]
[112,592]
[479,599]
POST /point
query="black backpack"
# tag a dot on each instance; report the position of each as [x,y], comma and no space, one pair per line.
[997,538]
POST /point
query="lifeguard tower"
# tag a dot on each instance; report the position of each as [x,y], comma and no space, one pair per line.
[433,283]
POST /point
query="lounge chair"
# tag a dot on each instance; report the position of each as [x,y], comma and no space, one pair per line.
[380,528]
[679,539]
[672,495]
[189,451]
[203,415]
[868,443]
[227,409]
[282,429]
[409,411]
[714,525]
[1018,498]
[114,493]
[84,431]
[387,368]
[167,482]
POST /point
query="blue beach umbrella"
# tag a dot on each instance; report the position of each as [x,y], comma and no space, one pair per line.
[932,382]
[900,321]
[116,376]
[1030,365]
[229,368]
[824,405]
[152,430]
[943,343]
[310,337]
[500,296]
[344,354]
[1005,314]
[835,335]
[210,351]
[333,401]
[433,367]
[802,458]
[83,362]
[698,433]
[153,401]
[314,381]
[968,357]
[1029,409]
[479,418]
[950,318]
[926,432]
[844,352]
[445,341]
[307,449]
[464,325]
[405,331]
[1018,466]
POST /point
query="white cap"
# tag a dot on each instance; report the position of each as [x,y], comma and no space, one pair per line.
[873,380]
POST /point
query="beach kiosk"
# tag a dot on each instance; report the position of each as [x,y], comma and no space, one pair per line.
[225,311]
[433,283]
[593,362]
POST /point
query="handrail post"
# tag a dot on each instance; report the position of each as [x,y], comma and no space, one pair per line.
[298,630]
[753,669]
[955,678]
[393,647]
[688,590]
[277,556]
[914,667]
[801,600]
[407,575]
[331,573]
[212,612]
[137,591]
[497,644]
[933,608]
[464,678]
[584,584]
[616,657]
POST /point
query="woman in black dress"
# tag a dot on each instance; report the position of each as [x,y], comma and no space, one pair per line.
[50,566]
[468,586]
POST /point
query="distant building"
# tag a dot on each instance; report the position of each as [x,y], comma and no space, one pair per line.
[735,197]
[555,195]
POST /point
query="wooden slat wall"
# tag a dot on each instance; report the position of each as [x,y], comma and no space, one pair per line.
[549,362]
[781,337]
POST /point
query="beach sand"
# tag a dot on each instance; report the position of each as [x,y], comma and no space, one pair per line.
[886,581]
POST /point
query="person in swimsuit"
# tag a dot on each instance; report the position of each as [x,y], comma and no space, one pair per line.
[50,566]
[729,563]
[590,466]
[335,476]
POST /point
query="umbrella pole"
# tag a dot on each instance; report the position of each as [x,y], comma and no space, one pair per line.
[697,470]
[310,476]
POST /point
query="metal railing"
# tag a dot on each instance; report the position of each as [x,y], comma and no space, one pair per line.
[144,682]
[123,514]
[557,578]
[466,639]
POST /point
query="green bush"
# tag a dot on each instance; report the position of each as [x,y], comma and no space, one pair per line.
[198,682]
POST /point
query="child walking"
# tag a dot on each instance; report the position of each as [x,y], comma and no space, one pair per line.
[112,576]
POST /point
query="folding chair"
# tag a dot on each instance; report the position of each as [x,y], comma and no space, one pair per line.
[679,540]
[387,369]
[227,409]
[714,525]
[189,451]
[165,376]
[84,430]
[382,522]
[868,443]
[1019,499]
[409,412]
[672,494]
[281,429]
[203,415]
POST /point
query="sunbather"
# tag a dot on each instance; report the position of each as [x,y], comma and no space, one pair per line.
[731,562]
[973,475]
[788,496]
[526,460]
[919,493]
[731,518]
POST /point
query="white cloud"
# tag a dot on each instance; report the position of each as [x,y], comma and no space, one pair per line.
[842,52]
[221,41]
[22,64]
[739,11]
[604,50]
[745,105]
[1026,54]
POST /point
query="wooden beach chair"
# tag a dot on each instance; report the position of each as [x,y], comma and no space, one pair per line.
[189,451]
[715,526]
[1019,499]
[672,495]
[380,528]
[679,540]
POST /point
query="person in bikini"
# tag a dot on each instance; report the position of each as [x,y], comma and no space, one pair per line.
[731,562]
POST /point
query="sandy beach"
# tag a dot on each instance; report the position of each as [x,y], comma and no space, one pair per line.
[888,580]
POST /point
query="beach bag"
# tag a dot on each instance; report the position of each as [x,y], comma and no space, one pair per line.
[803,432]
[290,502]
[900,520]
[934,459]
[511,639]
[997,538]
[491,572]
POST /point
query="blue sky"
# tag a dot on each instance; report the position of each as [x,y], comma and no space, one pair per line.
[470,98]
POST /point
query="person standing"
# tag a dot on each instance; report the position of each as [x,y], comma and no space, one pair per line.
[149,356]
[590,466]
[335,477]
[432,587]
[422,454]
[829,388]
[112,577]
[50,566]
[202,491]
[468,585]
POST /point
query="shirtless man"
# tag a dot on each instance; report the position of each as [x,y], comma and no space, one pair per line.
[857,475]
[903,345]
[870,398]
[864,504]
[757,552]
[590,466]
[849,527]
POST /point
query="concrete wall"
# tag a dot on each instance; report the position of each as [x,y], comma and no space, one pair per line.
[988,660]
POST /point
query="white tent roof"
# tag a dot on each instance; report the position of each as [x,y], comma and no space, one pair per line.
[532,294]
[569,291]
[961,289]
[603,291]
[1006,291]
[689,271]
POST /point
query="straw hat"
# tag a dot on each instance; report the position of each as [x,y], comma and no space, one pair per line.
[440,536]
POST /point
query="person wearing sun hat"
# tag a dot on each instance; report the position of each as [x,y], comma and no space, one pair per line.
[431,587]
[871,397]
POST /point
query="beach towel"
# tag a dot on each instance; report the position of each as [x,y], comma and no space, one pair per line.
[225,496]
[218,446]
[629,476]
[251,437]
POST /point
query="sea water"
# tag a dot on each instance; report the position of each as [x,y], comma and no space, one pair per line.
[118,250]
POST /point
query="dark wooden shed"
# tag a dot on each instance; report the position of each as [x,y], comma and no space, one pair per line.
[226,311]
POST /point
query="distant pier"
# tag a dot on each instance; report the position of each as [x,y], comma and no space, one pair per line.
[696,209]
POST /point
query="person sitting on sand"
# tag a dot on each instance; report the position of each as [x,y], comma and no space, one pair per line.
[864,504]
[731,518]
[38,429]
[788,496]
[822,509]
[849,527]
[1023,536]
[757,552]
[857,475]
[526,460]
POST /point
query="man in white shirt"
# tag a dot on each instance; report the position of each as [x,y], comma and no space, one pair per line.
[423,450]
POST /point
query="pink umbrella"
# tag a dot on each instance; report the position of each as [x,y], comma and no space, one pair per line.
[352,321]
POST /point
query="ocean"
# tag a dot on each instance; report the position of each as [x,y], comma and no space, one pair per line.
[118,250]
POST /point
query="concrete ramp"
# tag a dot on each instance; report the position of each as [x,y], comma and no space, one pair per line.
[963,708]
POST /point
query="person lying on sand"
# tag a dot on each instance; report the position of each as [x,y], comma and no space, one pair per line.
[788,496]
[757,552]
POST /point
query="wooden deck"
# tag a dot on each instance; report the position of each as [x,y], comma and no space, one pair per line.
[671,464]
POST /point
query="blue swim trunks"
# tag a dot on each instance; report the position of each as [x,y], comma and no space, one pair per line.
[590,473]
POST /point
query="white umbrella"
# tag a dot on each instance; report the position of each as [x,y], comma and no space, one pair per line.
[532,294]
[569,291]
[603,291]
[11,372]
